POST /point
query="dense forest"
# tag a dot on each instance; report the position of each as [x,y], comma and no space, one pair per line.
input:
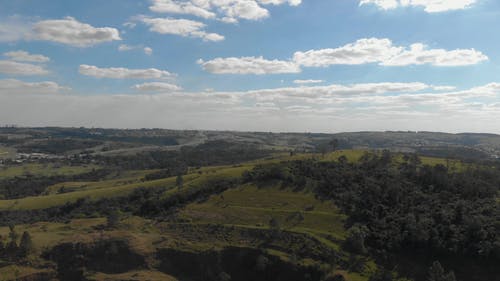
[406,208]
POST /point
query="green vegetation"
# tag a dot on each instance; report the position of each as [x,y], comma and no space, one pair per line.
[307,206]
[44,170]
[252,206]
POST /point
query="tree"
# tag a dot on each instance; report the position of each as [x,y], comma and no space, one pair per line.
[12,233]
[381,275]
[261,263]
[334,144]
[275,227]
[179,181]
[11,249]
[224,277]
[437,273]
[26,244]
[113,219]
[356,239]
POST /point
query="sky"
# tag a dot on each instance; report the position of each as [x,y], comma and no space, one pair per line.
[252,65]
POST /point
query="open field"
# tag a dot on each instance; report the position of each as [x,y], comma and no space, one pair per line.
[252,206]
[44,170]
[6,152]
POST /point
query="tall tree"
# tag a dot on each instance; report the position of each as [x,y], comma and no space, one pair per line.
[437,273]
[26,244]
[179,181]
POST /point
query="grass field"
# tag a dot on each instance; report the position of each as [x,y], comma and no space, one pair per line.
[132,276]
[252,206]
[6,152]
[14,272]
[113,180]
[43,170]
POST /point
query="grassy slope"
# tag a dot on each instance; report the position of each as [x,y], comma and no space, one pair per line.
[116,179]
[132,276]
[128,182]
[44,170]
[252,207]
[249,205]
[14,272]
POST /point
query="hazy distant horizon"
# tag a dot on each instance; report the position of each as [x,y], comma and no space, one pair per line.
[244,131]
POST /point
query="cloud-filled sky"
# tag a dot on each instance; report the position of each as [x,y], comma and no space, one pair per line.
[259,65]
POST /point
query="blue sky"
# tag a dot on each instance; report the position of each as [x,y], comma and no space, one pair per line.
[267,65]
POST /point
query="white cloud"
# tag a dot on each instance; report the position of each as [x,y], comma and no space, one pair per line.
[14,87]
[248,65]
[384,52]
[26,57]
[248,10]
[148,51]
[339,90]
[309,81]
[361,52]
[124,48]
[184,7]
[225,10]
[418,54]
[25,69]
[14,28]
[182,27]
[124,73]
[430,6]
[159,87]
[444,88]
[279,2]
[71,32]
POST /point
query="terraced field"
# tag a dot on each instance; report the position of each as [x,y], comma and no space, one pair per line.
[252,206]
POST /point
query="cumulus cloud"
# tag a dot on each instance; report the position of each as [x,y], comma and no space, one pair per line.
[15,87]
[158,87]
[182,27]
[124,73]
[308,81]
[71,32]
[225,10]
[183,7]
[124,48]
[363,51]
[26,57]
[430,6]
[248,65]
[419,54]
[384,52]
[24,69]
